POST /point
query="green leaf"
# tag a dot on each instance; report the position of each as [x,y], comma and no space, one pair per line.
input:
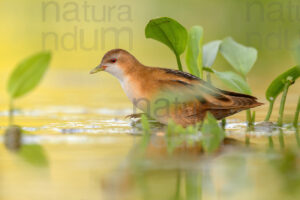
[28,74]
[212,133]
[277,85]
[194,51]
[34,154]
[234,81]
[241,58]
[169,32]
[210,51]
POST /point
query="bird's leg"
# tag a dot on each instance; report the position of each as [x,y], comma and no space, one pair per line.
[134,115]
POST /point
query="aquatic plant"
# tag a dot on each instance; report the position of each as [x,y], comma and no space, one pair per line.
[176,135]
[194,51]
[200,58]
[212,134]
[279,85]
[26,76]
[169,32]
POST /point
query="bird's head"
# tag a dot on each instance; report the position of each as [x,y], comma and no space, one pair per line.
[116,62]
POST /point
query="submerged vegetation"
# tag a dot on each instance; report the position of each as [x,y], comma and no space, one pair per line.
[26,76]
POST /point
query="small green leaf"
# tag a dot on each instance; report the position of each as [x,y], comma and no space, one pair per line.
[28,74]
[213,135]
[210,51]
[234,81]
[241,58]
[169,32]
[34,154]
[194,51]
[277,85]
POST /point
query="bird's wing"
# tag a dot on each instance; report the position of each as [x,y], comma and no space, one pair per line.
[194,89]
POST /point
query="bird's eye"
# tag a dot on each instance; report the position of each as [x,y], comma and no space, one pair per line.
[113,60]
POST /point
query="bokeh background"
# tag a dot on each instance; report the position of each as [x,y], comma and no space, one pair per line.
[79,32]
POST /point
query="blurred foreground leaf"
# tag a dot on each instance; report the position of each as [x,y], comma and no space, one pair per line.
[28,74]
[240,57]
[194,51]
[34,154]
[213,134]
[234,81]
[169,32]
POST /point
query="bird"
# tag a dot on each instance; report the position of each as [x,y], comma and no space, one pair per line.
[166,94]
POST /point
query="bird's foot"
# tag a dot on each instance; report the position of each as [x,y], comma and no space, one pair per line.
[134,115]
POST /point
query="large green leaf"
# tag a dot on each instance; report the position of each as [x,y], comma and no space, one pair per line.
[234,81]
[210,51]
[169,32]
[212,134]
[241,58]
[277,85]
[194,51]
[28,74]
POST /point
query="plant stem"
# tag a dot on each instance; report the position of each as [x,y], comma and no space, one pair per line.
[223,123]
[179,62]
[253,118]
[271,104]
[297,114]
[11,113]
[282,102]
[249,118]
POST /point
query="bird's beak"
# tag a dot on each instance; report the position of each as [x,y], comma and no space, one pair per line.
[98,69]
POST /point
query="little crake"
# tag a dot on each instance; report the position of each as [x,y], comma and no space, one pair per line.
[167,94]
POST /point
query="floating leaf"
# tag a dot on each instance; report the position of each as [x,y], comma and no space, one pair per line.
[210,51]
[213,135]
[277,85]
[241,58]
[28,74]
[34,154]
[234,81]
[169,32]
[194,51]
